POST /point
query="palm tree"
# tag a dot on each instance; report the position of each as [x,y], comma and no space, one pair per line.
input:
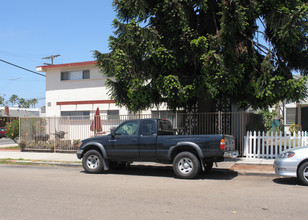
[22,103]
[13,99]
[33,102]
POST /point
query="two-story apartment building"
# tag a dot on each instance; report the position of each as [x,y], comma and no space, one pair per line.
[77,89]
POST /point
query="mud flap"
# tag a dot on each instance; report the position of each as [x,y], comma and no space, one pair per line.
[106,164]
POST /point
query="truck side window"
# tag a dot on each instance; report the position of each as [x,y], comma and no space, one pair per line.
[130,128]
[147,128]
[165,128]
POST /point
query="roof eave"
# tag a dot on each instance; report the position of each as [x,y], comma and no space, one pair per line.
[64,65]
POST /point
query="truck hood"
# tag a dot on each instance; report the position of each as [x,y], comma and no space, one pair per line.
[98,138]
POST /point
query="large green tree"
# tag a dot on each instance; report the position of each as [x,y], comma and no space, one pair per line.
[181,51]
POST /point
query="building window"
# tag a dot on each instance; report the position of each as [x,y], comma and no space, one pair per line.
[76,115]
[291,115]
[75,75]
[113,114]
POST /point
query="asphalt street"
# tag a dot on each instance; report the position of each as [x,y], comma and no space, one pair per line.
[142,192]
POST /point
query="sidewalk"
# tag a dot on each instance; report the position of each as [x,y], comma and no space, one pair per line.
[241,165]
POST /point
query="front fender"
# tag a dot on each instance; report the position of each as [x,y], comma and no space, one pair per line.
[99,145]
[185,144]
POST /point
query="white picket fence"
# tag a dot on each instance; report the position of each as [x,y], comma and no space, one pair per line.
[266,145]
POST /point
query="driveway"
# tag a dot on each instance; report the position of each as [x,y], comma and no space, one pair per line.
[6,142]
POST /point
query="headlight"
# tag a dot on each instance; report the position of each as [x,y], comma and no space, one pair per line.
[286,155]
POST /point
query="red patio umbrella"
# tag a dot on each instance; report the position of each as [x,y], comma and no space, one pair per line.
[96,125]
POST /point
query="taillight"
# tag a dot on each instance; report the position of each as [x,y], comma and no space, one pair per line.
[222,144]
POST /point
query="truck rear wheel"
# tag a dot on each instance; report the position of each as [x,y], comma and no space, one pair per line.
[92,162]
[186,165]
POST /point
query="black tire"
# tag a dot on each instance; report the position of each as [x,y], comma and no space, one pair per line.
[208,166]
[186,165]
[92,162]
[303,173]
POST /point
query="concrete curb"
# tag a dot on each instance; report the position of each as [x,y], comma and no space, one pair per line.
[56,164]
[255,173]
[47,163]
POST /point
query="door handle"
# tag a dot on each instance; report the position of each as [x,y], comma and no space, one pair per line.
[134,140]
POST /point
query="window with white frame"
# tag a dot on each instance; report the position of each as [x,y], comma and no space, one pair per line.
[113,114]
[76,115]
[290,115]
[75,75]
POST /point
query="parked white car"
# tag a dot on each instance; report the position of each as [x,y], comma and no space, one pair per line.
[293,163]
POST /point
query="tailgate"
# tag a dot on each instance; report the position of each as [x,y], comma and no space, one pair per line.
[229,143]
[230,151]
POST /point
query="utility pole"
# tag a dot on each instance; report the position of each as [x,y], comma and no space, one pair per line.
[50,58]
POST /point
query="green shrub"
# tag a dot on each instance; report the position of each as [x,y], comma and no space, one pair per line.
[64,144]
[22,145]
[76,143]
[51,145]
[12,129]
[295,128]
[31,144]
[274,131]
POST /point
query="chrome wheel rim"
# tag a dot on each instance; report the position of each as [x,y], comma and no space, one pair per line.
[93,161]
[185,165]
[305,173]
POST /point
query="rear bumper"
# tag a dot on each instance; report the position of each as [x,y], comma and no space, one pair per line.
[231,154]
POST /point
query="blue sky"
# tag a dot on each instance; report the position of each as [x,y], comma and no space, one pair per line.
[33,29]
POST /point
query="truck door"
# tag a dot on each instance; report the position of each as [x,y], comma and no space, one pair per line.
[148,138]
[124,143]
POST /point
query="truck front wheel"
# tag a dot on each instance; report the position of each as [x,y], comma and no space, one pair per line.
[186,165]
[92,162]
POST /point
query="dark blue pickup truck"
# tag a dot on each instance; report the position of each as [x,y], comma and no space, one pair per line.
[153,140]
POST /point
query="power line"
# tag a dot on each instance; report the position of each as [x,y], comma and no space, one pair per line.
[22,68]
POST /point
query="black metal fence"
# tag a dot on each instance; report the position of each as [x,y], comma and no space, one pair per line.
[63,134]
